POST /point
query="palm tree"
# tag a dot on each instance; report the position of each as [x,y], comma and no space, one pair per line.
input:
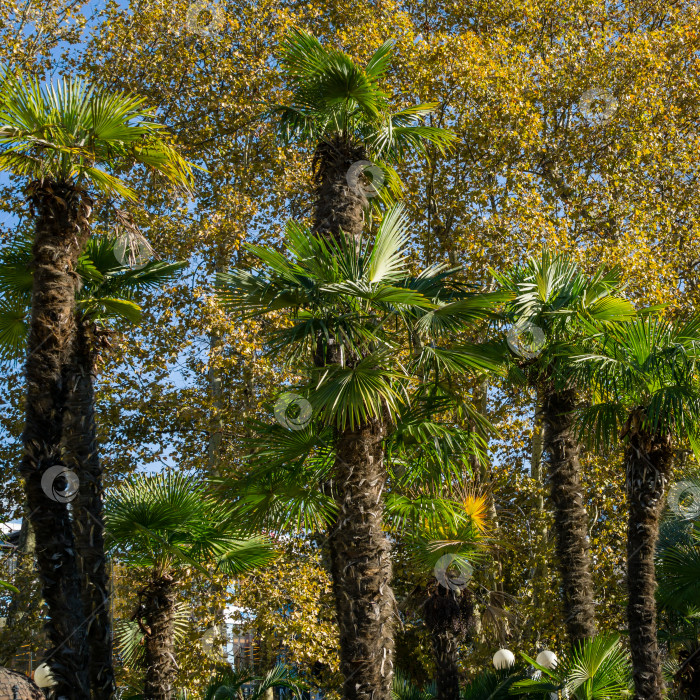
[229,684]
[597,669]
[106,296]
[364,296]
[643,378]
[64,139]
[168,523]
[403,689]
[552,298]
[678,575]
[342,111]
[444,550]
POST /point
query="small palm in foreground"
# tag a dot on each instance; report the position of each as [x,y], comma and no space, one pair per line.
[343,112]
[168,523]
[643,377]
[242,685]
[67,141]
[597,669]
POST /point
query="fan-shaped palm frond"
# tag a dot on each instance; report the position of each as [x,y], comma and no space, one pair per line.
[404,689]
[491,685]
[107,292]
[73,133]
[230,684]
[162,520]
[332,95]
[597,669]
[648,363]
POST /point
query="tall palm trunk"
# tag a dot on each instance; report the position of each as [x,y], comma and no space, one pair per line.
[361,565]
[449,615]
[61,229]
[648,462]
[359,549]
[158,605]
[83,457]
[570,520]
[339,205]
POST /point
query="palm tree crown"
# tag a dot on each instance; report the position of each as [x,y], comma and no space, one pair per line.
[643,378]
[359,296]
[171,520]
[74,134]
[556,297]
[332,96]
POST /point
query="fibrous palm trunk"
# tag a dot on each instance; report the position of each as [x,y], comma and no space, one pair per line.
[449,615]
[82,456]
[361,565]
[570,519]
[359,548]
[340,200]
[61,228]
[158,606]
[648,463]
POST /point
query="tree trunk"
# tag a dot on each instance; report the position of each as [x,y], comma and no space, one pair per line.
[61,229]
[648,463]
[570,520]
[359,549]
[83,457]
[158,611]
[339,204]
[449,615]
[361,566]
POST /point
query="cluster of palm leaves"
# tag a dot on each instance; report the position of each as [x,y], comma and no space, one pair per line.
[598,669]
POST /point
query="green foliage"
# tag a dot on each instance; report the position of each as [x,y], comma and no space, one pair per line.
[404,689]
[646,369]
[228,684]
[107,293]
[331,95]
[597,669]
[73,133]
[172,519]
